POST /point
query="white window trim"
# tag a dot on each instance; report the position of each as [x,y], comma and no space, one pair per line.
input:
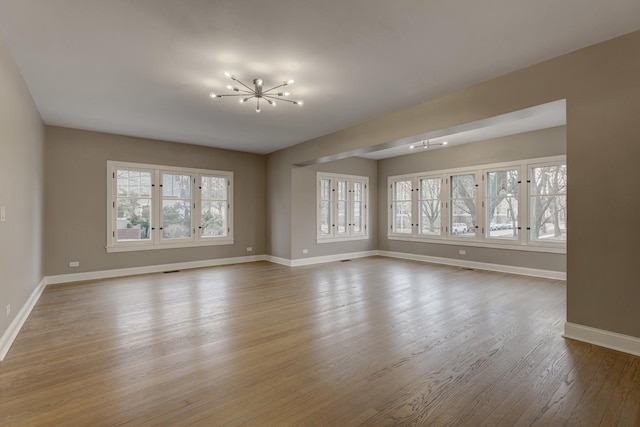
[523,243]
[350,235]
[156,242]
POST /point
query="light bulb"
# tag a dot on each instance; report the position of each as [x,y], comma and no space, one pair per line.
[213,95]
[229,87]
[228,74]
[290,81]
[445,143]
[300,103]
[259,82]
[257,109]
[412,147]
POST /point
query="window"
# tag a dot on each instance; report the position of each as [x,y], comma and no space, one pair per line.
[176,206]
[430,206]
[402,207]
[501,204]
[342,207]
[214,206]
[548,203]
[486,206]
[463,205]
[155,207]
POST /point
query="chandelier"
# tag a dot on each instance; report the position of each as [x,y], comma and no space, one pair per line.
[258,92]
[427,144]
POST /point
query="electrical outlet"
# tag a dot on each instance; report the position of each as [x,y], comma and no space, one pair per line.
[305,251]
[462,252]
[8,309]
[249,249]
[74,263]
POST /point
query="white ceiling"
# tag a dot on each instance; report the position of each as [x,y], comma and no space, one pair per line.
[145,67]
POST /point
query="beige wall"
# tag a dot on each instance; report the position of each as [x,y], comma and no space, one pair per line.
[601,84]
[21,190]
[75,200]
[544,143]
[303,196]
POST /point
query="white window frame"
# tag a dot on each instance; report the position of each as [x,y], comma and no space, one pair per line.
[530,183]
[481,237]
[157,241]
[350,234]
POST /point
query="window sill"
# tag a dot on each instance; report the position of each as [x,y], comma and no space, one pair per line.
[515,246]
[174,245]
[340,239]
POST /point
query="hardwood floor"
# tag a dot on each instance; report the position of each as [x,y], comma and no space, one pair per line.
[373,341]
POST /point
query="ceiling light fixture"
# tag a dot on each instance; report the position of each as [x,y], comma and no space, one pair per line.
[257,91]
[427,144]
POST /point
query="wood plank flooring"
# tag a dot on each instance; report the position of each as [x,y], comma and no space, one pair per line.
[374,342]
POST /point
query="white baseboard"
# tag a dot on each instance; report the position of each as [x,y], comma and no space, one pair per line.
[319,259]
[547,274]
[612,340]
[278,260]
[12,331]
[120,272]
[330,258]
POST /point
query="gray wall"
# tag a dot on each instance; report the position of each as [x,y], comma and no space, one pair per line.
[303,196]
[75,200]
[601,84]
[21,190]
[548,142]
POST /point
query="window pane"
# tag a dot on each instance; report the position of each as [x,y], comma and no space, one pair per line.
[548,203]
[358,220]
[402,217]
[134,219]
[502,183]
[357,191]
[402,190]
[325,189]
[402,207]
[343,190]
[133,205]
[213,188]
[325,217]
[549,179]
[502,215]
[463,186]
[502,204]
[176,206]
[430,217]
[214,218]
[463,205]
[214,207]
[430,206]
[342,217]
[549,218]
[176,219]
[463,217]
[176,186]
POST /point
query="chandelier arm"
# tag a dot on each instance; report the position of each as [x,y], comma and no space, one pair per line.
[278,98]
[237,94]
[236,80]
[275,87]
